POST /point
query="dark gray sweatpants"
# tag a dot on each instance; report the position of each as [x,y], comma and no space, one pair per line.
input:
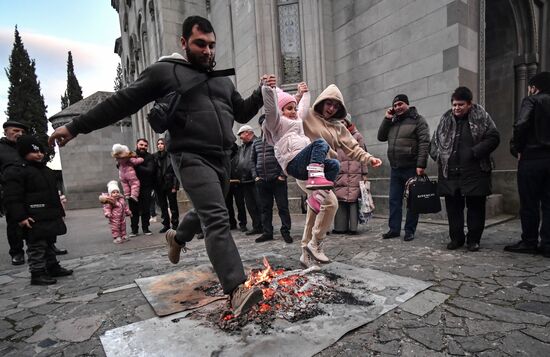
[206,182]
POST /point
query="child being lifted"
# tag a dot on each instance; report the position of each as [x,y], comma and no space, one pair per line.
[296,153]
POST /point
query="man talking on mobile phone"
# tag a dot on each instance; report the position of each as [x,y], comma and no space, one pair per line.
[408,137]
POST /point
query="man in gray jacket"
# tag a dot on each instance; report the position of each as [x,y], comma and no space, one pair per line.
[408,137]
[201,137]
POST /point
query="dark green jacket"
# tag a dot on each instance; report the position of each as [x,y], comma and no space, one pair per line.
[408,138]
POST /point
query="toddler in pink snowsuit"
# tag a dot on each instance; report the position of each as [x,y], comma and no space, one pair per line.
[115,210]
[126,160]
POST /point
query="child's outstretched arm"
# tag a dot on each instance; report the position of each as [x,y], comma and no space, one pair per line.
[272,118]
[303,101]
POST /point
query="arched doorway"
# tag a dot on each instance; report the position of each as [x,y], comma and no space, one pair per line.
[511,58]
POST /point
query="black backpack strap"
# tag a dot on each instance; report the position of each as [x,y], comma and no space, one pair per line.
[196,77]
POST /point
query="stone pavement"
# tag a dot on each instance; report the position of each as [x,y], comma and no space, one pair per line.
[484,303]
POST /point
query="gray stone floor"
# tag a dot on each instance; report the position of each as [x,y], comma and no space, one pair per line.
[483,303]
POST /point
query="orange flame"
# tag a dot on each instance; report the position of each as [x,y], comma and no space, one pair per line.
[228,317]
[265,275]
[264,308]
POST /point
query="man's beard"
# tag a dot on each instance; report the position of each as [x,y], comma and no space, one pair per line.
[202,62]
[141,152]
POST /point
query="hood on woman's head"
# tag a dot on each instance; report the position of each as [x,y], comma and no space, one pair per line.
[331,92]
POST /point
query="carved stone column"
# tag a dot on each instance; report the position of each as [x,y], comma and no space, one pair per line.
[521,82]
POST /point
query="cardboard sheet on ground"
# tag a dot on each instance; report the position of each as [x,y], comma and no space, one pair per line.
[181,334]
[178,291]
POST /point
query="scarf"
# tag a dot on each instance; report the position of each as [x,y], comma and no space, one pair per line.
[443,140]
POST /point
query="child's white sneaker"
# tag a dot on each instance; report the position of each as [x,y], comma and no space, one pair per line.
[118,240]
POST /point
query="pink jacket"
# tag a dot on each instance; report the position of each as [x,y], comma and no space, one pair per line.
[126,171]
[346,186]
[113,209]
[286,135]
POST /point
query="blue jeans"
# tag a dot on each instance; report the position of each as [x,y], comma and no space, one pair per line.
[398,178]
[314,153]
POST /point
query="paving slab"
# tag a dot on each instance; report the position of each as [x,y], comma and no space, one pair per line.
[424,302]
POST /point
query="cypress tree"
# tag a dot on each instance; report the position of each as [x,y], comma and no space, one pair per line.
[73,93]
[119,81]
[25,101]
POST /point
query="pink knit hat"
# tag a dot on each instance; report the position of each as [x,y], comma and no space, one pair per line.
[283,99]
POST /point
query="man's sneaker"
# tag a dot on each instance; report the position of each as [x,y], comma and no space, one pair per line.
[243,299]
[133,234]
[263,238]
[164,229]
[174,248]
[390,234]
[118,240]
[307,260]
[287,238]
[42,278]
[473,247]
[408,237]
[243,229]
[521,247]
[147,232]
[57,270]
[316,250]
[153,219]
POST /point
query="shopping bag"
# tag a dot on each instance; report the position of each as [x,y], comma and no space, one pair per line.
[366,204]
[421,195]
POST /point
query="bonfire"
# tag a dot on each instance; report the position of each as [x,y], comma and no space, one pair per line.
[291,295]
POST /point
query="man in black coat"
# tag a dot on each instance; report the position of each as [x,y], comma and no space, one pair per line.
[13,130]
[271,184]
[461,146]
[145,173]
[33,202]
[201,136]
[246,180]
[531,144]
[166,187]
[408,137]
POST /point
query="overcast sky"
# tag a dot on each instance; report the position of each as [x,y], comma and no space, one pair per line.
[49,29]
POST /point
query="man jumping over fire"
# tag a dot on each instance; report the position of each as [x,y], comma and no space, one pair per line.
[200,144]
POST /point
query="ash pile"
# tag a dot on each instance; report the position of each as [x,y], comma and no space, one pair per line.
[292,295]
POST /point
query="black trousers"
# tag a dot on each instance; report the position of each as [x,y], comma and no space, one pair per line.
[40,253]
[475,217]
[15,237]
[206,181]
[252,202]
[141,209]
[267,191]
[236,194]
[168,199]
[534,197]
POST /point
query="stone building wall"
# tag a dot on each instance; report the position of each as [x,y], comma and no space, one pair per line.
[371,49]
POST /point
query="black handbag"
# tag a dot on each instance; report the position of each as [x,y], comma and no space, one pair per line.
[421,195]
[161,116]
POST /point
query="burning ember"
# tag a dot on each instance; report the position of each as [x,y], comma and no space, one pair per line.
[292,295]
